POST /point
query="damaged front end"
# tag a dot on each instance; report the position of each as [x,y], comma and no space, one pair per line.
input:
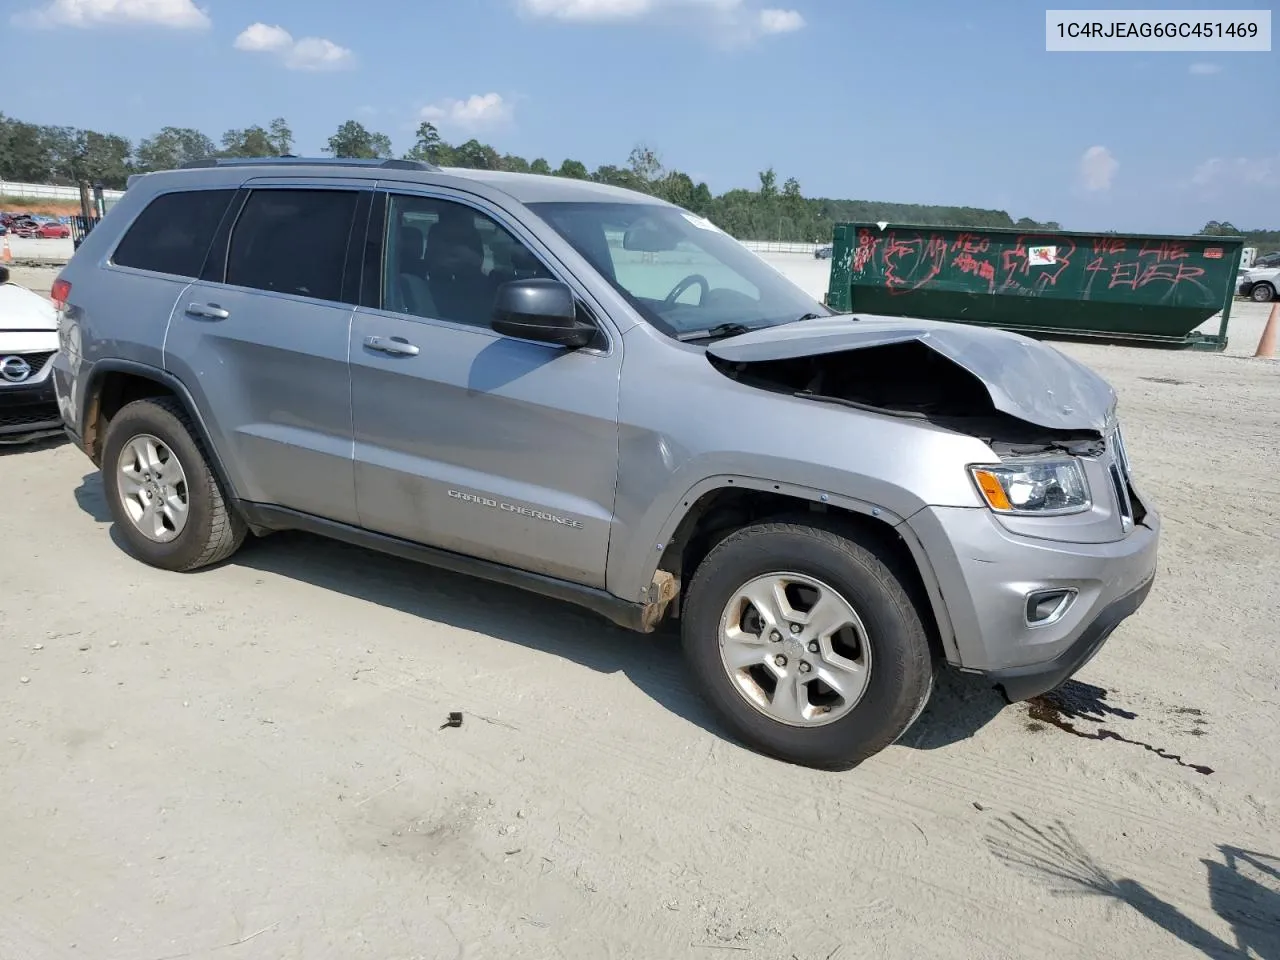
[1059,470]
[1017,394]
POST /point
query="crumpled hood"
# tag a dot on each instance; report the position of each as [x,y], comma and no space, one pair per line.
[1026,378]
[22,309]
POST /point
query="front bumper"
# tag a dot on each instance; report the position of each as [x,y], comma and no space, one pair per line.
[1023,683]
[29,411]
[985,575]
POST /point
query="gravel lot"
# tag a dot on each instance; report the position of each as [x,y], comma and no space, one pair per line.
[39,248]
[250,760]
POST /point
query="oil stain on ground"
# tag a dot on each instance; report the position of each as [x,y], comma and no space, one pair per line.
[1075,701]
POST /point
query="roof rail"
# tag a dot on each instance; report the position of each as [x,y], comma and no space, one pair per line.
[291,160]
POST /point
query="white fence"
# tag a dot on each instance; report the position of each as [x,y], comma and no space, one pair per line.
[776,246]
[43,191]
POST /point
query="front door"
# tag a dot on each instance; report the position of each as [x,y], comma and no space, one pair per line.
[264,348]
[465,439]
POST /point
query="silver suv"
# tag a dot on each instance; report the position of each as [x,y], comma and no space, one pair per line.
[601,397]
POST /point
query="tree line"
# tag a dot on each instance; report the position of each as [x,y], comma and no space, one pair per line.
[1266,241]
[771,211]
[30,153]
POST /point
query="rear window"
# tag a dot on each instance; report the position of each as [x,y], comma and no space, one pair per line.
[172,235]
[293,241]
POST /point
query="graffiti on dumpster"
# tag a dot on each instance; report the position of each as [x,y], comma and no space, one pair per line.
[1031,265]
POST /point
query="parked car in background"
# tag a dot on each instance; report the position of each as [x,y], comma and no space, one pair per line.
[28,339]
[824,252]
[53,230]
[21,225]
[1260,284]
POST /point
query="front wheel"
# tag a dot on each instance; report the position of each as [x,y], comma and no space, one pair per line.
[1262,292]
[806,644]
[164,498]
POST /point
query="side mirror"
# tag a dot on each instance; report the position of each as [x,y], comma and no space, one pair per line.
[538,309]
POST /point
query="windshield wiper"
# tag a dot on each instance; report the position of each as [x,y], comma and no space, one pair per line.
[808,316]
[719,330]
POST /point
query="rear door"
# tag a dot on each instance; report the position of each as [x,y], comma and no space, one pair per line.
[261,339]
[466,439]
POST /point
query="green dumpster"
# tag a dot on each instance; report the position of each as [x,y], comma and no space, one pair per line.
[1119,287]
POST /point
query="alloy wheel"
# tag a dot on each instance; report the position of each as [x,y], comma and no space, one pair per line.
[795,649]
[153,488]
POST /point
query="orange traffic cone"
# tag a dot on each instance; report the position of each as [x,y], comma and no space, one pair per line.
[7,256]
[1267,343]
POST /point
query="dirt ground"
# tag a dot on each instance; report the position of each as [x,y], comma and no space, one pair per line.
[249,762]
[48,208]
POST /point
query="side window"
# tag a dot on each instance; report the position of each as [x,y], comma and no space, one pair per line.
[292,241]
[172,235]
[446,260]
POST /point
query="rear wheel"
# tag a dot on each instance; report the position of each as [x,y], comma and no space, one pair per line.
[1262,292]
[166,502]
[807,644]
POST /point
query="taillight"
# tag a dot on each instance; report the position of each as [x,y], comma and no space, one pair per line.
[60,293]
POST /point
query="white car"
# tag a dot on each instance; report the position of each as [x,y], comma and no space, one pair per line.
[1260,284]
[28,341]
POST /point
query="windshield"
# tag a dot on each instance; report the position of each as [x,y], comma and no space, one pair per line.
[685,276]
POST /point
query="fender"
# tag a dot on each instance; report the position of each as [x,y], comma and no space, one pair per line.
[171,383]
[637,570]
[638,583]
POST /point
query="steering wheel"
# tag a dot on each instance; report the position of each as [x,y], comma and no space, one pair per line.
[685,284]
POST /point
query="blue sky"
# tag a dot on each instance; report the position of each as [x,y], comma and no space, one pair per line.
[928,101]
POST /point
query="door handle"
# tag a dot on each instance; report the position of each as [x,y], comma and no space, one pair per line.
[210,311]
[394,345]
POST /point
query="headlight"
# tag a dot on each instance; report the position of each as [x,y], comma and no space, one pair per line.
[1035,487]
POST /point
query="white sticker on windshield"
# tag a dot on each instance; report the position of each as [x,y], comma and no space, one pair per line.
[700,223]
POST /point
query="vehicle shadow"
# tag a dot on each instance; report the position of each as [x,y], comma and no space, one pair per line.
[960,706]
[10,448]
[91,497]
[1244,887]
[653,662]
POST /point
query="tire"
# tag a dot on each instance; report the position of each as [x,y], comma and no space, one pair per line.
[1262,292]
[211,531]
[898,678]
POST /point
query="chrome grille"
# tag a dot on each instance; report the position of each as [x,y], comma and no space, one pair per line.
[1122,496]
[1117,440]
[1121,478]
[36,360]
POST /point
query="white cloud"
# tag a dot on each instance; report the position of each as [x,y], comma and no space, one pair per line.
[262,38]
[591,11]
[317,53]
[1098,168]
[730,21]
[780,21]
[309,53]
[178,14]
[478,111]
[1204,69]
[1226,172]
